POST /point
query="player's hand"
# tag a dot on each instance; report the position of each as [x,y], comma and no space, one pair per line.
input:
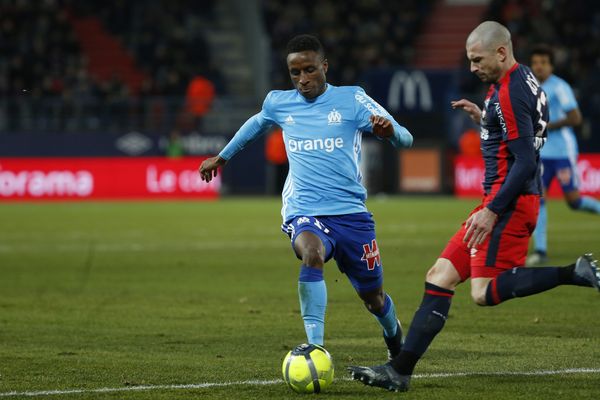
[209,167]
[479,226]
[468,107]
[382,126]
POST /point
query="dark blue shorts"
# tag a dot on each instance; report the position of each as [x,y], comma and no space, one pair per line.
[350,240]
[565,172]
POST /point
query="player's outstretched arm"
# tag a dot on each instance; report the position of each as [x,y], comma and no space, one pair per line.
[468,107]
[384,128]
[252,129]
[209,167]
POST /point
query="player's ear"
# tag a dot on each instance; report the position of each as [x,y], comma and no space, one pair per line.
[325,65]
[502,53]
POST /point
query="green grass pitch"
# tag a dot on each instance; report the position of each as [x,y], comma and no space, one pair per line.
[142,299]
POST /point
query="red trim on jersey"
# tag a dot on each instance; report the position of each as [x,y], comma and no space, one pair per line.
[507,74]
[506,105]
[501,170]
[435,293]
[490,91]
[494,289]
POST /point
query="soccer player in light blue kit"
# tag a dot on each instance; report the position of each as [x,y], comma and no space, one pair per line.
[324,210]
[559,154]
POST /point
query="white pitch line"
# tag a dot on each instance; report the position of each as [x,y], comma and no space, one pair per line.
[510,373]
[141,388]
[279,381]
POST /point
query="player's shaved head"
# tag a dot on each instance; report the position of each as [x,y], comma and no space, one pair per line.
[491,35]
[489,49]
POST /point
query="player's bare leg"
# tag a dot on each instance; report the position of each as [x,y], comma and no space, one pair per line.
[383,309]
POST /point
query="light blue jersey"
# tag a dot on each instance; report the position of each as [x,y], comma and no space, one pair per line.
[561,143]
[323,143]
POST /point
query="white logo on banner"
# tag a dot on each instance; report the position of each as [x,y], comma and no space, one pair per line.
[170,181]
[51,183]
[409,84]
[133,143]
[589,177]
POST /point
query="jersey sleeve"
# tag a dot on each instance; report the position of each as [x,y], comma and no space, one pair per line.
[517,106]
[524,168]
[252,129]
[566,97]
[365,106]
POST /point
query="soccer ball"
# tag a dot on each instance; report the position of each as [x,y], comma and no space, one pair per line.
[308,369]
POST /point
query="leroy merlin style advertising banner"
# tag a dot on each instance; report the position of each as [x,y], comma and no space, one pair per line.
[104,178]
[468,175]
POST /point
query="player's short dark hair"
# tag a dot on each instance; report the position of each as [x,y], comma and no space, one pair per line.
[305,43]
[543,50]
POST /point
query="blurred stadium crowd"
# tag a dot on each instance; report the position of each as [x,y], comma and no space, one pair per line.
[45,77]
[361,35]
[48,82]
[571,27]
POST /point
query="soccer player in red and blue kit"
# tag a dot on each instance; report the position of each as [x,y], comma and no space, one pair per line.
[491,246]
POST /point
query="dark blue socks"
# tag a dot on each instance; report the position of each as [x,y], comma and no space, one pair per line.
[522,282]
[426,324]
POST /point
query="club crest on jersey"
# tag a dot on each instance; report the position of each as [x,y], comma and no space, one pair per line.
[334,117]
[371,255]
[289,120]
[485,134]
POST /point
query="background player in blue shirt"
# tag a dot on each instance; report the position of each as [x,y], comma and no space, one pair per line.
[491,246]
[323,199]
[559,154]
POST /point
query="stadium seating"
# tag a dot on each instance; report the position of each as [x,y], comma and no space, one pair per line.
[79,66]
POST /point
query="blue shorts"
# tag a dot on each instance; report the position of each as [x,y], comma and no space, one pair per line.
[564,171]
[348,239]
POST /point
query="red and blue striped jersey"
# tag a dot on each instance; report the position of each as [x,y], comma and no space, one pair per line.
[515,107]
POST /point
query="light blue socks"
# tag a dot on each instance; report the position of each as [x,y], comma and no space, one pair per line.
[387,319]
[540,234]
[590,204]
[313,303]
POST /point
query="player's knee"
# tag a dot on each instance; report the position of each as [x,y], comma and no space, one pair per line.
[375,304]
[432,274]
[313,256]
[478,296]
[439,275]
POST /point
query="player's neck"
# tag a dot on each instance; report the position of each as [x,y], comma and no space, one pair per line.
[511,65]
[323,90]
